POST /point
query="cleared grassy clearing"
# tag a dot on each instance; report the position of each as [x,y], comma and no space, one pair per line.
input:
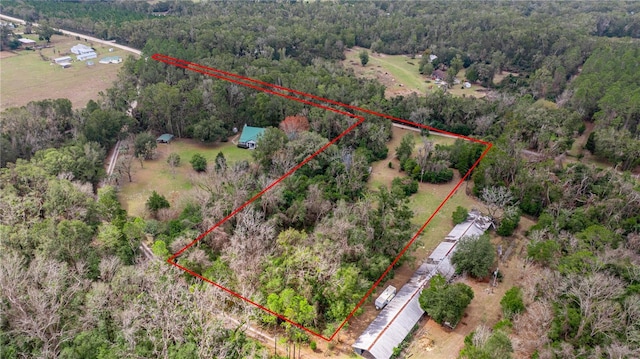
[398,73]
[30,76]
[381,174]
[156,175]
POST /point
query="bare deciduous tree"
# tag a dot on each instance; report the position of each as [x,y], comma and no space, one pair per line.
[532,327]
[39,300]
[594,296]
[497,199]
[251,241]
[124,165]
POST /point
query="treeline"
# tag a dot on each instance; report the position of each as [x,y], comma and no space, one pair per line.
[519,37]
[606,92]
[531,39]
[43,126]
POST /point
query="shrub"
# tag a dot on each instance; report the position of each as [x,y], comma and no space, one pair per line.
[173,160]
[199,163]
[406,186]
[460,215]
[508,224]
[364,57]
[512,302]
[156,202]
[543,252]
[445,303]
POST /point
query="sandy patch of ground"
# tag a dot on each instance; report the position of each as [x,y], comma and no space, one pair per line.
[497,78]
[6,54]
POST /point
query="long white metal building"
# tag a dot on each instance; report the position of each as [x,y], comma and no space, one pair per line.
[397,319]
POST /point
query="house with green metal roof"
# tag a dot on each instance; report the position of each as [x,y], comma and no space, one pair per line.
[249,136]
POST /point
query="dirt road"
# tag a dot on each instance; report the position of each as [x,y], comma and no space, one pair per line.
[89,38]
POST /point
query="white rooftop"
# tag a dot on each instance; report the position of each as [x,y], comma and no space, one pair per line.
[81,49]
[396,320]
[441,251]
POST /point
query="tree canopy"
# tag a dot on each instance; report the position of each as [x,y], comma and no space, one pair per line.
[445,303]
[474,255]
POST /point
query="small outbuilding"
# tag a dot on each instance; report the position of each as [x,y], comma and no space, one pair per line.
[249,137]
[62,60]
[87,56]
[81,49]
[439,75]
[165,138]
[26,41]
[111,60]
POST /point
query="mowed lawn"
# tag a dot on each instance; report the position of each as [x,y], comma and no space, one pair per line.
[381,173]
[156,175]
[28,75]
[399,73]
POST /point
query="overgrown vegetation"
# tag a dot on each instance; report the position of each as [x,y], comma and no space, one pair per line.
[311,247]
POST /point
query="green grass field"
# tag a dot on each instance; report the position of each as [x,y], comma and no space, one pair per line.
[29,75]
[404,69]
[398,73]
[429,196]
[158,176]
[187,148]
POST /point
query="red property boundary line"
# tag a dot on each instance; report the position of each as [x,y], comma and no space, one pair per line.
[304,98]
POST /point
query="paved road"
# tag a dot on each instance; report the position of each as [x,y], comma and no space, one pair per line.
[89,38]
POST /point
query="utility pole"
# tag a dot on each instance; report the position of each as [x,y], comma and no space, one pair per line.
[495,277]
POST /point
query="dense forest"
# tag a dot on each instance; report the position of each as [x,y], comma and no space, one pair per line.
[73,280]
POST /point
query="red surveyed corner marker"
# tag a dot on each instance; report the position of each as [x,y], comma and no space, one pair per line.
[326,104]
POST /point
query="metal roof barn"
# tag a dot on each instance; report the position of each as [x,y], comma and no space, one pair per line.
[165,138]
[441,251]
[397,319]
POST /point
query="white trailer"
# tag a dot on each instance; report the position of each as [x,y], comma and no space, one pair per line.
[386,296]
